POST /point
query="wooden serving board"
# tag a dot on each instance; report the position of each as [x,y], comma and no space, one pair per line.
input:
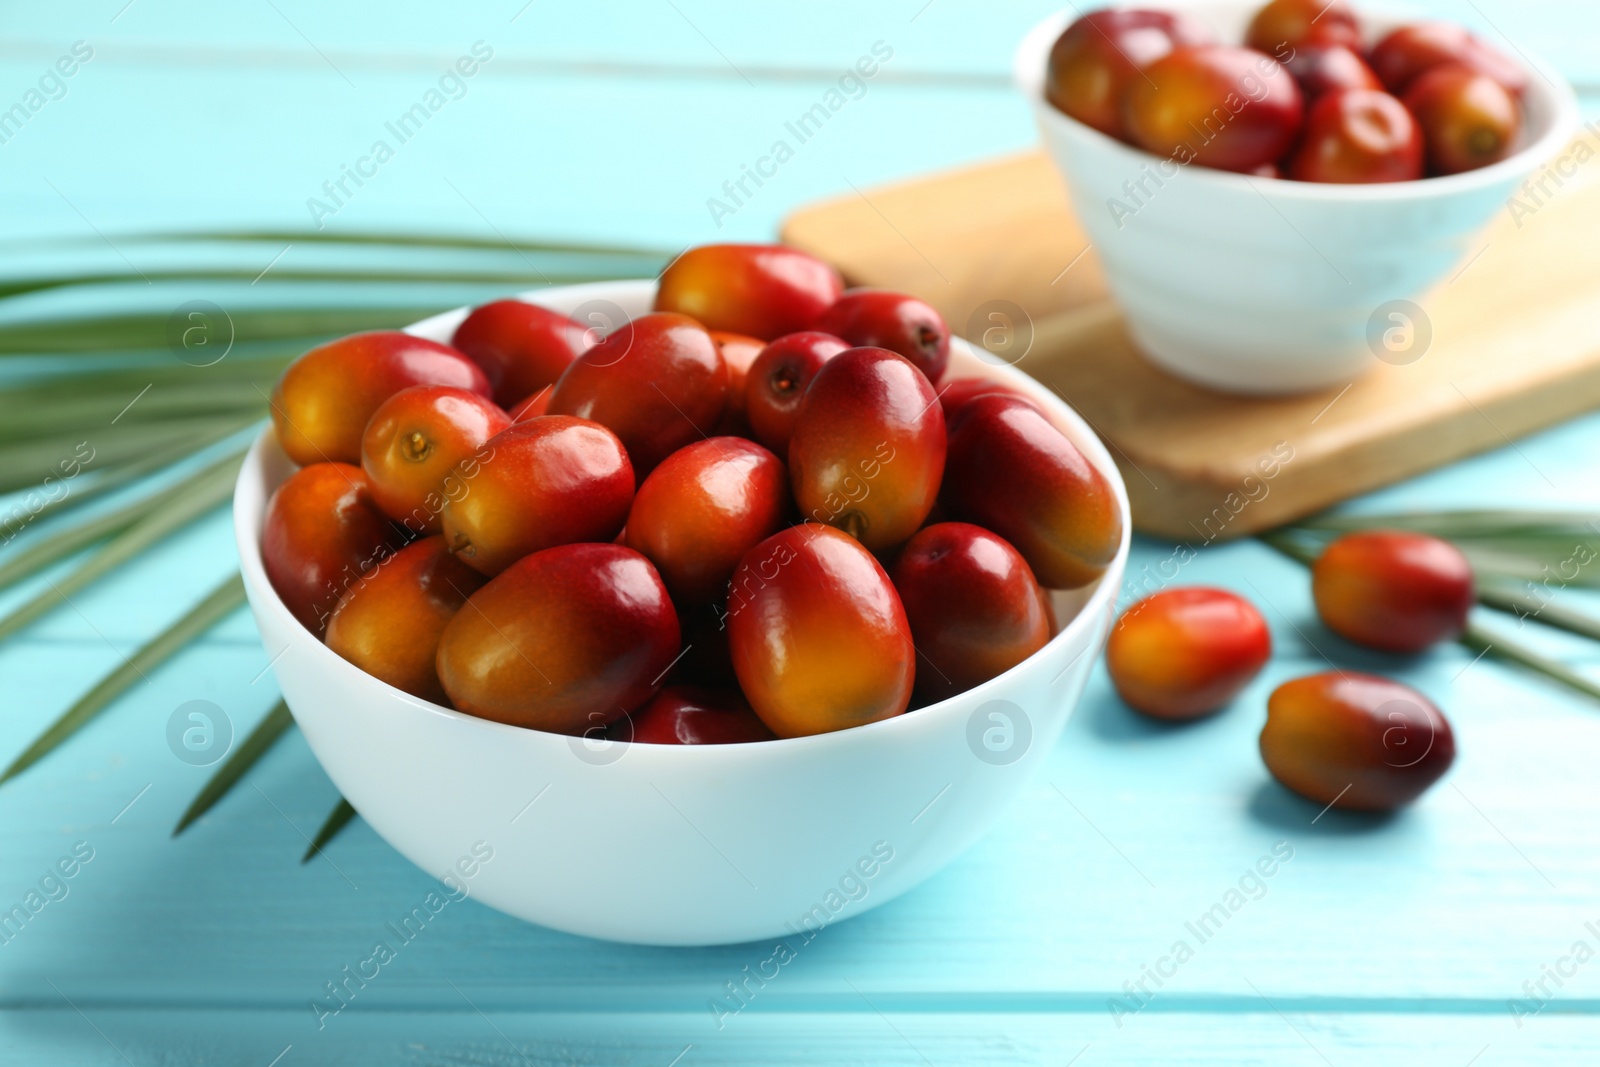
[1516,345]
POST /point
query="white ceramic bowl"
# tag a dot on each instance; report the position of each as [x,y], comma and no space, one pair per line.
[1259,285]
[670,845]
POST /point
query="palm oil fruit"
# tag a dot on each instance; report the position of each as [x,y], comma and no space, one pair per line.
[1468,119]
[1355,741]
[1096,58]
[1172,111]
[973,604]
[390,621]
[777,382]
[702,509]
[1328,68]
[1287,26]
[1407,53]
[868,450]
[414,439]
[521,347]
[876,318]
[321,532]
[738,353]
[553,480]
[1393,590]
[323,402]
[819,639]
[762,291]
[565,640]
[688,715]
[1357,136]
[1009,470]
[954,396]
[657,382]
[1185,652]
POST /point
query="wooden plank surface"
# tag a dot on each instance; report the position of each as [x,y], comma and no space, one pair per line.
[1515,344]
[1396,942]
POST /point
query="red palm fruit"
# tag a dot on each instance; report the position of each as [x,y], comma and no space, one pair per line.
[1098,56]
[657,382]
[868,447]
[1355,741]
[974,607]
[323,401]
[389,623]
[1283,27]
[762,291]
[1468,120]
[521,347]
[1218,106]
[1410,51]
[414,439]
[1358,136]
[818,636]
[778,380]
[688,715]
[702,509]
[1392,590]
[877,318]
[738,353]
[1011,471]
[1182,653]
[954,395]
[1326,68]
[554,480]
[532,407]
[565,640]
[321,532]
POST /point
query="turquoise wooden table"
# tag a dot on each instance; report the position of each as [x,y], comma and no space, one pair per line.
[1407,940]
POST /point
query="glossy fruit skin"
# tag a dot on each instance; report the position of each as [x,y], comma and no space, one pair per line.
[878,318]
[1286,26]
[762,291]
[1327,68]
[521,347]
[974,607]
[738,353]
[1393,590]
[688,715]
[778,381]
[1183,99]
[321,532]
[565,640]
[702,509]
[1094,60]
[1358,136]
[1011,471]
[1355,741]
[657,382]
[868,450]
[553,480]
[955,395]
[390,621]
[1185,652]
[531,407]
[322,403]
[1468,120]
[414,440]
[1410,51]
[819,639]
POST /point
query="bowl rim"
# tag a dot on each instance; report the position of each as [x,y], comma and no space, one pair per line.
[249,507]
[1552,90]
